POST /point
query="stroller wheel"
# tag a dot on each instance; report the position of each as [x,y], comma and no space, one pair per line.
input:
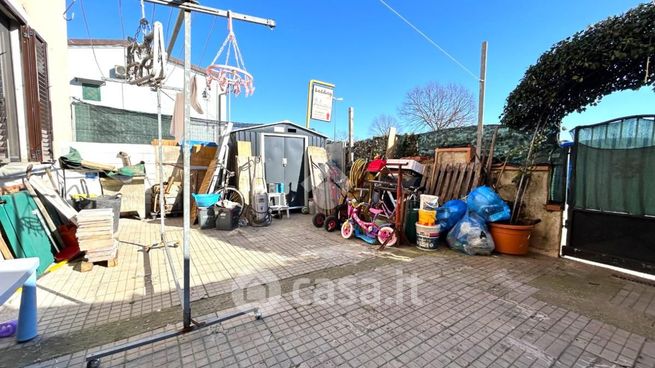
[331,223]
[318,220]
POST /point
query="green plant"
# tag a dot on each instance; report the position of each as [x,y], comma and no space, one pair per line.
[613,55]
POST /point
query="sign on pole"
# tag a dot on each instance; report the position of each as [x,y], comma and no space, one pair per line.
[321,102]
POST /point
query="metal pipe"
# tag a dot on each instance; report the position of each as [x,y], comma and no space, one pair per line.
[176,31]
[351,132]
[190,6]
[162,203]
[186,236]
[167,335]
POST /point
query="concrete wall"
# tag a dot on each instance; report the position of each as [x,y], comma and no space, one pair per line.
[547,234]
[120,95]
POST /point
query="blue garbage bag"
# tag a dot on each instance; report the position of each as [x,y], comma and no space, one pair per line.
[448,214]
[488,204]
[471,236]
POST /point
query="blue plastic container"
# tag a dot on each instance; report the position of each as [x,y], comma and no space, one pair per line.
[206,200]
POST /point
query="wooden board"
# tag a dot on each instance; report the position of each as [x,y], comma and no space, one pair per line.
[4,249]
[95,233]
[209,181]
[18,210]
[244,148]
[50,195]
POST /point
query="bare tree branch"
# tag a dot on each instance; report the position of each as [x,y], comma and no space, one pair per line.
[381,124]
[433,107]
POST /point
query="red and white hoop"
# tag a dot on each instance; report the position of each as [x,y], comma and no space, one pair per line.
[230,78]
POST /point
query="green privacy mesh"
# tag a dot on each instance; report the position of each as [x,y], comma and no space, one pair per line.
[107,125]
[615,167]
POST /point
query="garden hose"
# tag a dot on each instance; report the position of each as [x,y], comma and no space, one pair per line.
[251,215]
[357,171]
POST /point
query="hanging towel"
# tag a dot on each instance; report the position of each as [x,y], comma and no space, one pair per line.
[177,121]
[194,96]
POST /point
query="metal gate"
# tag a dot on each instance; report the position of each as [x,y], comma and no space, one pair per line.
[611,201]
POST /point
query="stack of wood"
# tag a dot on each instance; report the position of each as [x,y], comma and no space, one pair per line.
[95,235]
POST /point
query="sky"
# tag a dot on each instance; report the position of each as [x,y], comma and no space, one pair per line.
[371,55]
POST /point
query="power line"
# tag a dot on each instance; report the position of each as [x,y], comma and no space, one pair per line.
[211,30]
[88,34]
[170,16]
[427,38]
[120,13]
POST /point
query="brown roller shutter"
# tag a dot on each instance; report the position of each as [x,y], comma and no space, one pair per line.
[37,95]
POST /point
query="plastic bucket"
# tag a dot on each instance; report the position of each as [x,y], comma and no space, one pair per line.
[206,217]
[427,242]
[427,217]
[427,231]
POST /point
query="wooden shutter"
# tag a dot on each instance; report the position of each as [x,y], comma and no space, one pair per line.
[37,95]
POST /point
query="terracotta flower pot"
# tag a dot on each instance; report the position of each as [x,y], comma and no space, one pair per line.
[511,239]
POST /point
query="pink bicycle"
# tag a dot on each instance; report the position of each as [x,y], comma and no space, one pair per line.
[372,232]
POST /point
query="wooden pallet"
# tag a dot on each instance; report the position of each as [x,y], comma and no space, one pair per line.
[86,265]
[451,181]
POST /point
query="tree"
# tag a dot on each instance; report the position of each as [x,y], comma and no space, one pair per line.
[612,55]
[381,124]
[434,106]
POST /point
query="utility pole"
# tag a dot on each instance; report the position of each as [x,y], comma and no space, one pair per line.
[483,79]
[351,132]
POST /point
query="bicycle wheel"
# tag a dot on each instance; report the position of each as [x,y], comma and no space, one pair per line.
[232,194]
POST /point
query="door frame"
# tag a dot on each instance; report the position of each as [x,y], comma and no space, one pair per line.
[262,152]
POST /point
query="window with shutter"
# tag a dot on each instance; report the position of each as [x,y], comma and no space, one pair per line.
[9,142]
[37,95]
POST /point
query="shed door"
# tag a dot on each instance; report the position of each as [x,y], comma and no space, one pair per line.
[284,157]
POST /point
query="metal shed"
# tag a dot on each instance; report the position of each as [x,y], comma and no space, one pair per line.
[283,148]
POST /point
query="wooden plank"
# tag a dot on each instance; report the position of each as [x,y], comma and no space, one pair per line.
[4,249]
[57,242]
[426,174]
[490,156]
[51,196]
[466,185]
[433,178]
[476,175]
[446,182]
[439,181]
[457,189]
[210,179]
[244,148]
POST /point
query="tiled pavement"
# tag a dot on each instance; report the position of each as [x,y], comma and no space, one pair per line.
[467,311]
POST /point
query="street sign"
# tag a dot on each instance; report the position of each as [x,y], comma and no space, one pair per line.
[321,102]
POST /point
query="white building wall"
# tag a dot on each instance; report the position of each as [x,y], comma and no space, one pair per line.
[120,95]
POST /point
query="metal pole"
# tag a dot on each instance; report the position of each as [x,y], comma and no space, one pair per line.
[162,203]
[186,313]
[483,78]
[191,5]
[351,131]
[309,103]
[176,31]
